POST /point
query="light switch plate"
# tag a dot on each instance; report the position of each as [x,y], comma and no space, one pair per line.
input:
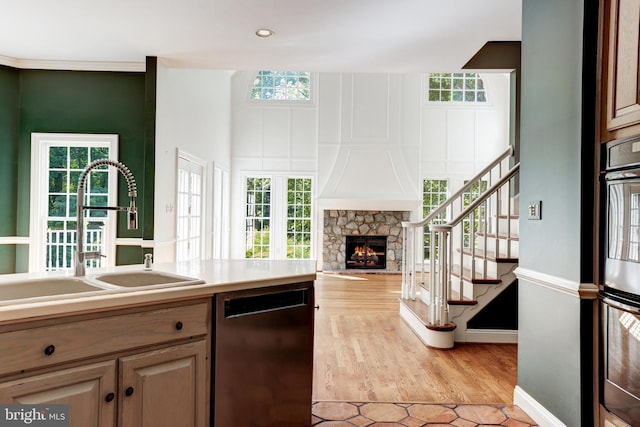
[534,210]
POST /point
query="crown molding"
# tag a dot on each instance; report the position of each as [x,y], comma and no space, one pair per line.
[72,65]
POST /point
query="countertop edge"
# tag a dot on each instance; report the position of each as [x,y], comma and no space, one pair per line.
[223,281]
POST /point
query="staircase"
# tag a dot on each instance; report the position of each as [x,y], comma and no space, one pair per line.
[465,260]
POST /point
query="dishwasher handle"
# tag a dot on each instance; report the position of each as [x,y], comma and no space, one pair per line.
[267,302]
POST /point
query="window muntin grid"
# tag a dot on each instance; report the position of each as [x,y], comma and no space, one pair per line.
[299,218]
[468,197]
[189,210]
[281,86]
[434,193]
[65,165]
[455,87]
[257,217]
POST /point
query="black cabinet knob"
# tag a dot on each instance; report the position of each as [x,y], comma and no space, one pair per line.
[317,307]
[109,397]
[49,350]
[179,326]
[129,391]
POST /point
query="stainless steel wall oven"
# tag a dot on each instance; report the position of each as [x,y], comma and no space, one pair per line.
[620,293]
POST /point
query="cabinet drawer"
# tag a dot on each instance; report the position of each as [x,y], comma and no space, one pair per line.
[26,349]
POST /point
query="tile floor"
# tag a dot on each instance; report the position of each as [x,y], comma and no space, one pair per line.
[349,414]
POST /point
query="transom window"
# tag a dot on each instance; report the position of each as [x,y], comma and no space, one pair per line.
[282,86]
[456,87]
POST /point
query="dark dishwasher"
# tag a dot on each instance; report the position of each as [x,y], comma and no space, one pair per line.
[262,357]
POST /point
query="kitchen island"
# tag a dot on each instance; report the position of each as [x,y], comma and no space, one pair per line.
[144,355]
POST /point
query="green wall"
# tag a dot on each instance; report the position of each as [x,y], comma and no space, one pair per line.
[555,352]
[122,103]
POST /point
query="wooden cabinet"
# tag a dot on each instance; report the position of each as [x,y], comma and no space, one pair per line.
[135,367]
[88,390]
[620,71]
[164,387]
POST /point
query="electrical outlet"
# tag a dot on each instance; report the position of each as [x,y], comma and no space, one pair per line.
[534,209]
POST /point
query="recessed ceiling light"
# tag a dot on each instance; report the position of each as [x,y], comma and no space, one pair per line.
[264,32]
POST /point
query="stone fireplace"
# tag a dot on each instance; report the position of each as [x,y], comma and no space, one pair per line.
[338,224]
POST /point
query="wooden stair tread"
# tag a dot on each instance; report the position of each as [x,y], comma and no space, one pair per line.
[466,275]
[421,311]
[455,298]
[490,256]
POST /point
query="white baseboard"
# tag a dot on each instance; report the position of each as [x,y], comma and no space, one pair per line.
[535,410]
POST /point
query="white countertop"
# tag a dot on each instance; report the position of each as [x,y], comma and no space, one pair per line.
[218,276]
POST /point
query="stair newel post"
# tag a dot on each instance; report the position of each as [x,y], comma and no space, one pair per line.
[461,258]
[419,251]
[441,282]
[497,231]
[405,270]
[472,243]
[508,241]
[433,264]
[409,261]
[484,237]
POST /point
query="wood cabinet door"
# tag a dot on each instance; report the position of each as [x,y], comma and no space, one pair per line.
[88,390]
[165,388]
[621,44]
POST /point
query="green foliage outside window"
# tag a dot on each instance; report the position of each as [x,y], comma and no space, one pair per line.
[299,218]
[434,193]
[258,217]
[456,87]
[282,86]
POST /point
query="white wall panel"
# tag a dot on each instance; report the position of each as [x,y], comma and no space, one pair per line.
[434,135]
[461,130]
[329,107]
[276,130]
[247,132]
[369,106]
[304,134]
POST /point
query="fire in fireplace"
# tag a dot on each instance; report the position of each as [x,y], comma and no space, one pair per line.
[366,252]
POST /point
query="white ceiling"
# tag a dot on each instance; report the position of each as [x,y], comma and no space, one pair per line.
[312,35]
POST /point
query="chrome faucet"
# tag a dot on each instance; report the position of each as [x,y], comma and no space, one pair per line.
[81,255]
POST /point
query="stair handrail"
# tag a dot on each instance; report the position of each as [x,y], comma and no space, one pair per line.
[455,196]
[440,283]
[408,255]
[485,195]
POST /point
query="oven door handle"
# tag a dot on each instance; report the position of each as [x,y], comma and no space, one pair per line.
[620,306]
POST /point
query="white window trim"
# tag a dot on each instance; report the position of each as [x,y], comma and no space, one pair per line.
[39,180]
[278,218]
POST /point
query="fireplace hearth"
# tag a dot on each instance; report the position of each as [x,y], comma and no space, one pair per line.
[366,252]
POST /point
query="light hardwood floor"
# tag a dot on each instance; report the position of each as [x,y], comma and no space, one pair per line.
[365,352]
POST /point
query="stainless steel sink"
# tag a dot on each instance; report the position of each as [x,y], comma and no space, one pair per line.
[44,287]
[134,279]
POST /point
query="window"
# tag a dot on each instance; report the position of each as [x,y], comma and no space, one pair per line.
[434,193]
[282,86]
[469,197]
[456,87]
[299,218]
[278,217]
[189,208]
[258,217]
[58,160]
